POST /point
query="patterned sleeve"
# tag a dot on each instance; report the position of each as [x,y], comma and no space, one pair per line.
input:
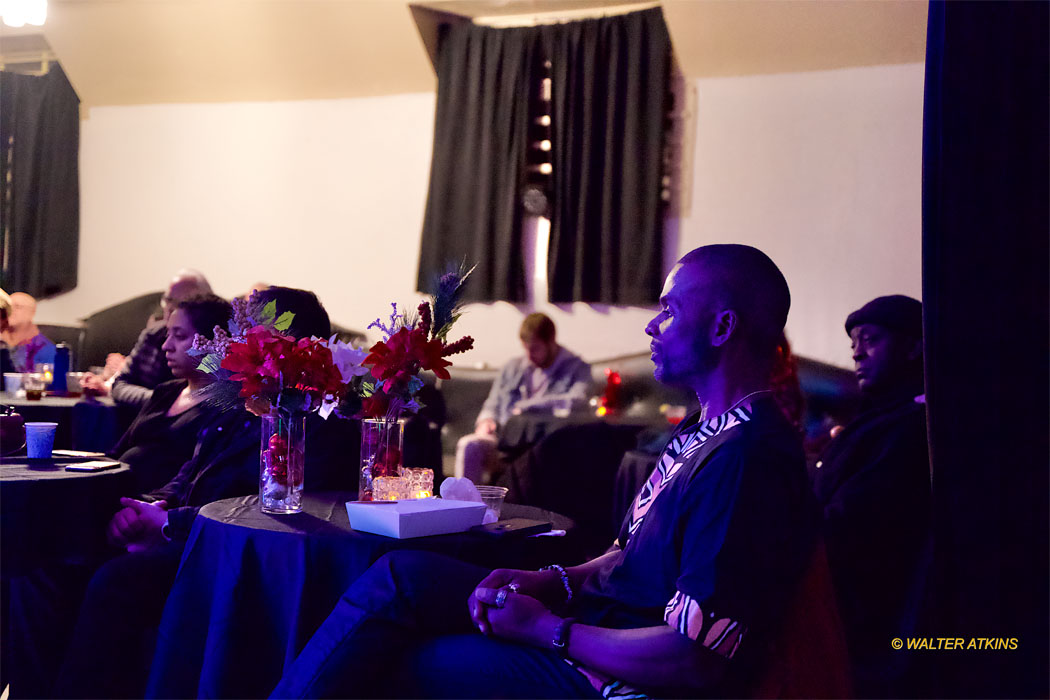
[721,635]
[744,539]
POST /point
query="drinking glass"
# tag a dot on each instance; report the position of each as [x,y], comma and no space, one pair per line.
[47,369]
[34,383]
[675,414]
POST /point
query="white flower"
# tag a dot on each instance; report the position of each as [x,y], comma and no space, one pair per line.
[347,359]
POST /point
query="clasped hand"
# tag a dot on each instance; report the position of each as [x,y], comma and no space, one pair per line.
[137,526]
[524,615]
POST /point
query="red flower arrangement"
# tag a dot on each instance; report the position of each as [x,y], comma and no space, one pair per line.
[266,362]
[313,373]
[409,348]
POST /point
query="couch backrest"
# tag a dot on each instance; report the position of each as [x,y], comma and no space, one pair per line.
[72,336]
[464,393]
[830,392]
[116,328]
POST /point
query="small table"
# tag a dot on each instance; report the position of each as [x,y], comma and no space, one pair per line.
[48,514]
[252,588]
[83,424]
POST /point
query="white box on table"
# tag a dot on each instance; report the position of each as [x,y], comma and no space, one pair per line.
[416,517]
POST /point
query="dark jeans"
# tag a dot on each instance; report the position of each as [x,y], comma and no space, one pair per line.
[111,649]
[403,629]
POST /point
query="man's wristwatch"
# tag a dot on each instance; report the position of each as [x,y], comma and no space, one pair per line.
[560,642]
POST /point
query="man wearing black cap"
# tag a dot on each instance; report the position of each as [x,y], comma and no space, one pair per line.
[873,482]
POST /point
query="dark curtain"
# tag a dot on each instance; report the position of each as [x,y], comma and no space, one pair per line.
[610,80]
[39,181]
[473,213]
[985,292]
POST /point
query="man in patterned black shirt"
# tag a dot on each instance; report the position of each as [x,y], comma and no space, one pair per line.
[687,599]
[146,366]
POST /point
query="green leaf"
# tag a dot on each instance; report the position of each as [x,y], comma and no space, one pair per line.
[284,321]
[268,314]
[210,363]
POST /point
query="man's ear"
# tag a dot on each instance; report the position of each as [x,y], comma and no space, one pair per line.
[725,323]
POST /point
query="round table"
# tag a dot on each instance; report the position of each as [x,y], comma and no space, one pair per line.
[48,514]
[252,588]
[52,523]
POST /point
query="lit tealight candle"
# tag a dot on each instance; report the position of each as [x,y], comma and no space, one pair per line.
[390,488]
[420,482]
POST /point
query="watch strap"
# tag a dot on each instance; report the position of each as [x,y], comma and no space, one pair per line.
[560,642]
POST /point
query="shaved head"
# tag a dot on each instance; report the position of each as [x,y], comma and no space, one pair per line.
[24,300]
[745,280]
[23,308]
[184,285]
[187,283]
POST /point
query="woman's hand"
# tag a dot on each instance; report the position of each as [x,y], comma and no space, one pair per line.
[137,527]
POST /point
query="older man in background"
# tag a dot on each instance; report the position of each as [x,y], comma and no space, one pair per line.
[25,342]
[146,367]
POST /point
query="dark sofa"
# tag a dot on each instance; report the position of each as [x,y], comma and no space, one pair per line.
[830,394]
[116,328]
[573,469]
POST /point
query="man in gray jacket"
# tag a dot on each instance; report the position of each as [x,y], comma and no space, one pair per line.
[548,376]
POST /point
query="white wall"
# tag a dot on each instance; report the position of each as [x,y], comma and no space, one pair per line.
[821,170]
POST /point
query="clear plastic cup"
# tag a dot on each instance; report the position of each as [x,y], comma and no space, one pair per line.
[73,383]
[40,439]
[12,382]
[492,497]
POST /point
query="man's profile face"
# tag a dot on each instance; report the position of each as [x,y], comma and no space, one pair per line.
[541,353]
[881,357]
[679,332]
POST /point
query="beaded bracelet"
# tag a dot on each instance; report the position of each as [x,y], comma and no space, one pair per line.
[564,579]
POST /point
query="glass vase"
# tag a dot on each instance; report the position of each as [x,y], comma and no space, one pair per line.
[281,461]
[381,452]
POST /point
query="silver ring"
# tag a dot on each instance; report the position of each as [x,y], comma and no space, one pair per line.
[501,597]
[513,587]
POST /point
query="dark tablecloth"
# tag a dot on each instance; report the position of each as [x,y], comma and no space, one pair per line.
[49,515]
[82,425]
[252,588]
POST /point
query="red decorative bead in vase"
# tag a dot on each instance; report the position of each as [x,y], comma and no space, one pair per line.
[281,461]
[381,452]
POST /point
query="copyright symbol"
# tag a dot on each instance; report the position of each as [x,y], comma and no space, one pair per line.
[896,643]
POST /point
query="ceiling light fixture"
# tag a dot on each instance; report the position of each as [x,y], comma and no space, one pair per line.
[18,13]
